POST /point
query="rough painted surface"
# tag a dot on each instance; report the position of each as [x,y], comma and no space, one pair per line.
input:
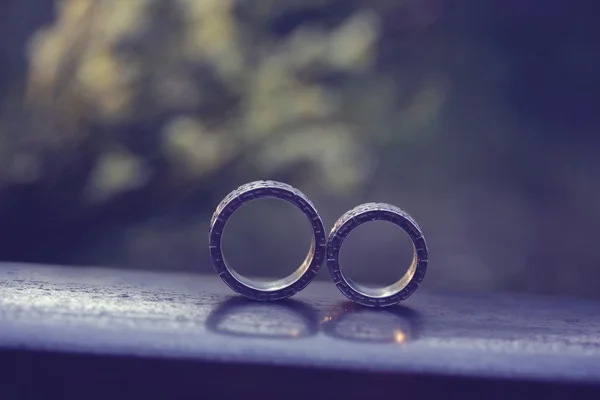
[196,317]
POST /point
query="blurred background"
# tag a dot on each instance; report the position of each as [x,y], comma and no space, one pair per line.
[124,123]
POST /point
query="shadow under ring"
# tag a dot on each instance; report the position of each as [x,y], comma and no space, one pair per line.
[349,321]
[305,314]
[280,288]
[388,295]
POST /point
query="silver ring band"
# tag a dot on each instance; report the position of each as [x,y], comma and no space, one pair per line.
[396,292]
[276,289]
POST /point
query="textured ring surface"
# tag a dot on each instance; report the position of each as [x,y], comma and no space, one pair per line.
[276,289]
[396,292]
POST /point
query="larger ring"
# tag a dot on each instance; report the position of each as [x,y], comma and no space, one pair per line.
[276,289]
[396,292]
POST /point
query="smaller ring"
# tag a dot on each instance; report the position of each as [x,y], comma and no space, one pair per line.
[267,290]
[396,292]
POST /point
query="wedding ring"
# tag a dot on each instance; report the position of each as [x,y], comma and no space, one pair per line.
[258,289]
[396,292]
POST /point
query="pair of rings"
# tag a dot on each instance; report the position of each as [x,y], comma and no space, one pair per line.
[321,247]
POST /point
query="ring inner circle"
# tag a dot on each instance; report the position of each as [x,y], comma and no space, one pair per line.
[388,290]
[265,284]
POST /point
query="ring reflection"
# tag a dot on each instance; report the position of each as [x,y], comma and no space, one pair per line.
[349,321]
[288,319]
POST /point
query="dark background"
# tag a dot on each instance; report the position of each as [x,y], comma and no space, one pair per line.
[124,123]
